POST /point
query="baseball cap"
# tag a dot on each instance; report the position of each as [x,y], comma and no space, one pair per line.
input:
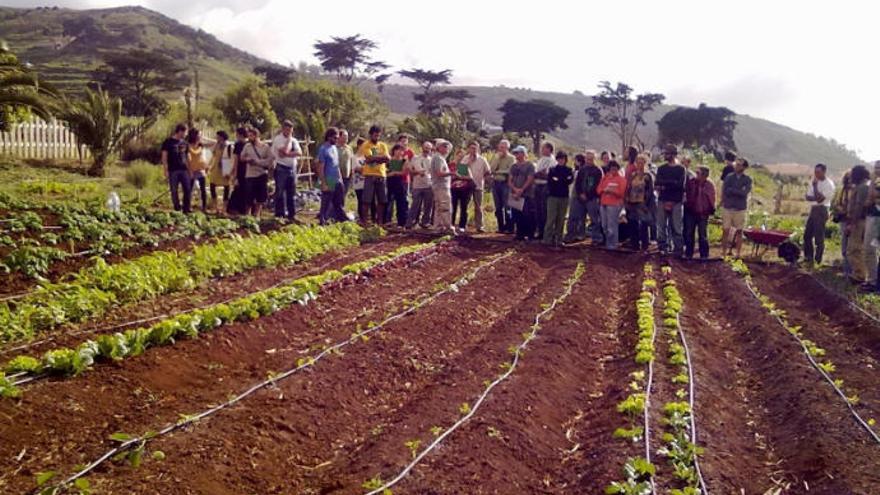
[519,149]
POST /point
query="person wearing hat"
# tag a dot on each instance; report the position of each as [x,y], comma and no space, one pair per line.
[670,184]
[441,181]
[699,205]
[522,194]
[612,190]
[734,207]
[286,149]
[374,171]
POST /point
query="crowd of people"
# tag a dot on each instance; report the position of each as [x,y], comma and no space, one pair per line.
[553,198]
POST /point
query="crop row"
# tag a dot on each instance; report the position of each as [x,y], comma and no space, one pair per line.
[131,448]
[94,290]
[814,353]
[639,471]
[437,434]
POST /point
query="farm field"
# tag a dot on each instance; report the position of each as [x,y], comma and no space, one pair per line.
[449,366]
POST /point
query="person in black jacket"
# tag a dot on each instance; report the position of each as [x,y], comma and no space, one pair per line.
[585,201]
[670,185]
[559,178]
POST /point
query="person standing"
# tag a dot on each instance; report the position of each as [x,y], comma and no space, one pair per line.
[174,163]
[374,170]
[238,199]
[258,158]
[330,180]
[542,167]
[462,189]
[819,194]
[346,159]
[522,194]
[559,179]
[611,191]
[422,196]
[197,165]
[220,170]
[286,150]
[357,182]
[586,202]
[441,178]
[855,222]
[735,203]
[670,182]
[500,166]
[639,202]
[839,208]
[698,207]
[872,229]
[480,173]
[397,186]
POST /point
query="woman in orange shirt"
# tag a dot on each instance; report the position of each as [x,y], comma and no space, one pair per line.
[611,192]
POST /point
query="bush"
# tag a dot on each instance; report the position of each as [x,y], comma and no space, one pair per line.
[141,174]
[142,149]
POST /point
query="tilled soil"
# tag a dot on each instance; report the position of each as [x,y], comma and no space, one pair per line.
[60,423]
[765,417]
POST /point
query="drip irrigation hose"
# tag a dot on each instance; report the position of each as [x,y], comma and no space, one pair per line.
[516,357]
[139,442]
[648,387]
[815,365]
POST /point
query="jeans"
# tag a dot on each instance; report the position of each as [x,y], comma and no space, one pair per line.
[694,226]
[844,247]
[200,180]
[638,219]
[333,205]
[478,208]
[669,229]
[226,191]
[872,230]
[611,224]
[461,198]
[347,184]
[176,179]
[422,206]
[855,252]
[397,200]
[577,218]
[814,234]
[556,208]
[594,212]
[500,193]
[540,209]
[285,189]
[525,220]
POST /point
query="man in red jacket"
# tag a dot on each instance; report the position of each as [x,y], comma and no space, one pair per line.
[699,205]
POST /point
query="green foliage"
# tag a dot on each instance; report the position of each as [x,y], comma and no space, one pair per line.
[340,105]
[141,174]
[247,103]
[21,91]
[453,125]
[139,77]
[32,261]
[533,118]
[709,128]
[349,58]
[618,109]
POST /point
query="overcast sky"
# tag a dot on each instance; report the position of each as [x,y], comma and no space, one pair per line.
[809,65]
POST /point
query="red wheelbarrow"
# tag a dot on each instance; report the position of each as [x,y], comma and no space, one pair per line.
[763,240]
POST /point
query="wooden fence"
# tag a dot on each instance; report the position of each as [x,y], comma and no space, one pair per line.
[40,139]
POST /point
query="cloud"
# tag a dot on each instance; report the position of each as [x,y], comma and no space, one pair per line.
[752,94]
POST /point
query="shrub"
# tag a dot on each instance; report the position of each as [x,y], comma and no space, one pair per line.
[140,174]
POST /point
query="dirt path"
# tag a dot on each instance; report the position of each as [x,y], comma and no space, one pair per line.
[329,431]
[59,424]
[765,417]
[548,429]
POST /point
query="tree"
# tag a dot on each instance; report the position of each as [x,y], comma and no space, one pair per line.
[709,128]
[349,58]
[97,122]
[533,118]
[616,108]
[341,104]
[138,77]
[431,99]
[247,104]
[452,124]
[275,75]
[21,91]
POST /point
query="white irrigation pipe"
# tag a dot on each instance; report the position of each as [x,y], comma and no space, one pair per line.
[691,399]
[852,304]
[648,387]
[142,440]
[813,362]
[516,356]
[40,376]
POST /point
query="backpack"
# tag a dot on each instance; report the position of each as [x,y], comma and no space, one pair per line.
[637,187]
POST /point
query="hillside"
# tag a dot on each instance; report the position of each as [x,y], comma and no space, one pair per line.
[65,45]
[761,140]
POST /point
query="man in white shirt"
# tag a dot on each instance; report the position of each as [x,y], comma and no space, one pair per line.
[286,149]
[542,167]
[819,194]
[480,171]
[441,178]
[422,198]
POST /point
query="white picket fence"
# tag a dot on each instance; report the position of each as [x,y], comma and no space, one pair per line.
[37,138]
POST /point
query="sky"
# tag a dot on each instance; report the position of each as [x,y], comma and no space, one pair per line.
[806,64]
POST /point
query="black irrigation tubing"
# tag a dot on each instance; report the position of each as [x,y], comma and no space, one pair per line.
[33,378]
[172,314]
[136,443]
[818,368]
[473,410]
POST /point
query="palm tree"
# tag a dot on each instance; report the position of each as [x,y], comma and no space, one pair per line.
[97,123]
[21,90]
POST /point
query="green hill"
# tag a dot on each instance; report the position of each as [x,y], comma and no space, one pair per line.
[66,45]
